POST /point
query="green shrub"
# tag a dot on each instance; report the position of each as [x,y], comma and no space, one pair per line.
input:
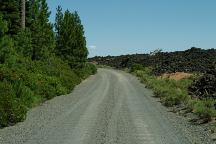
[29,83]
[92,68]
[24,94]
[172,92]
[204,108]
[136,67]
[69,80]
[84,72]
[12,109]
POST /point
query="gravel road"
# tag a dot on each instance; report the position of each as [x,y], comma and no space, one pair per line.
[112,107]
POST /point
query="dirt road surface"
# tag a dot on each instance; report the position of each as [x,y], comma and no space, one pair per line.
[111,107]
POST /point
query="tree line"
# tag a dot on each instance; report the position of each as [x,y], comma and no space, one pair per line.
[38,59]
[28,23]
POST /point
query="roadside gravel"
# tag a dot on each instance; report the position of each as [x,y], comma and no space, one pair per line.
[112,107]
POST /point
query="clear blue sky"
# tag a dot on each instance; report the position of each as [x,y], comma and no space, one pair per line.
[115,27]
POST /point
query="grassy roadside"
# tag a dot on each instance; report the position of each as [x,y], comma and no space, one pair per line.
[29,83]
[175,92]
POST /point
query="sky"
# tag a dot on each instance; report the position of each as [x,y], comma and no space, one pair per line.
[117,27]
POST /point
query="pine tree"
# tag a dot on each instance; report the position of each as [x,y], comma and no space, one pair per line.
[6,44]
[23,43]
[43,39]
[65,37]
[23,39]
[58,27]
[71,43]
[29,12]
[11,13]
[58,20]
[81,51]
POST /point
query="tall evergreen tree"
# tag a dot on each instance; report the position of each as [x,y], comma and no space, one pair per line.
[81,51]
[29,12]
[23,43]
[23,39]
[43,39]
[6,44]
[65,36]
[11,13]
[71,43]
[58,20]
[58,27]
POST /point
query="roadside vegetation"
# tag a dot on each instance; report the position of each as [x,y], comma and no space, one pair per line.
[176,92]
[36,62]
[197,93]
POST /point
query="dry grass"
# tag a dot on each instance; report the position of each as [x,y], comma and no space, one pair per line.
[175,76]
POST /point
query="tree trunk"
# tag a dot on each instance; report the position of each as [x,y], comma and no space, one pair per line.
[23,14]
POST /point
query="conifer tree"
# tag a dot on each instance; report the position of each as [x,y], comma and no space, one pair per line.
[58,20]
[58,27]
[23,43]
[43,40]
[71,43]
[29,12]
[11,13]
[81,51]
[65,36]
[6,43]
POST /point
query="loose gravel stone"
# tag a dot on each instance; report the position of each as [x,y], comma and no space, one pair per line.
[112,107]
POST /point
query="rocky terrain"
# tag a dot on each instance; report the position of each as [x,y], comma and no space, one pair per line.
[191,60]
